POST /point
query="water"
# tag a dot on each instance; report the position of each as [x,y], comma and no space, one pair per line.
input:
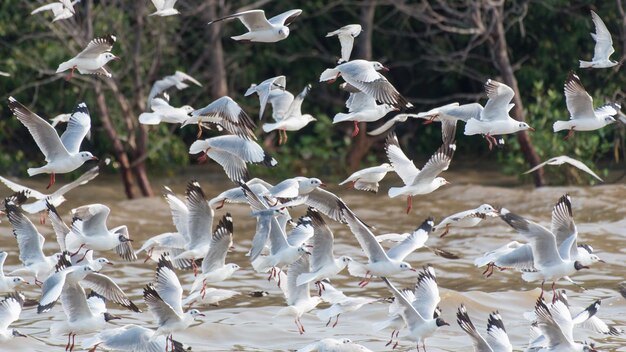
[247,323]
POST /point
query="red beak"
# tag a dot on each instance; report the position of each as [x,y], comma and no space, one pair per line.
[323,185]
[94,158]
[385,68]
[531,129]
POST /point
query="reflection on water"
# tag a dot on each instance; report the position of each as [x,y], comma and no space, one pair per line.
[245,323]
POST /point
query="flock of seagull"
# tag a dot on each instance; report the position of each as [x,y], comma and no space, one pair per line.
[297,253]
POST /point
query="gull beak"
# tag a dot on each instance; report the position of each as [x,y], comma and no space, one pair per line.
[531,129]
[412,269]
[201,314]
[94,158]
[448,182]
[385,68]
[110,263]
[307,252]
[601,261]
[323,185]
[116,58]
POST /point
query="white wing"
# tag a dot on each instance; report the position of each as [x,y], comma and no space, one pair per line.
[404,167]
[77,128]
[604,42]
[254,20]
[579,102]
[497,107]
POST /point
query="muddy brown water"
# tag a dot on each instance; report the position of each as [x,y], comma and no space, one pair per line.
[248,323]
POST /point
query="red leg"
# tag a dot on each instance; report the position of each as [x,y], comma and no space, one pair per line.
[409,203]
[71,73]
[286,137]
[221,204]
[570,133]
[52,179]
[336,321]
[149,254]
[73,340]
[445,232]
[194,266]
[69,338]
[199,130]
[488,137]
[203,290]
[78,250]
[356,129]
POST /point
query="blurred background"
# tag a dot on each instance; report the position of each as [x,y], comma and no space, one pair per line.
[438,52]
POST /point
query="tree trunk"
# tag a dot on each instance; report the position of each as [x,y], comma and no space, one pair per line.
[219,85]
[506,70]
[362,143]
[118,147]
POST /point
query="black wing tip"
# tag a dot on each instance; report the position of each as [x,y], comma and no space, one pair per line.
[65,261]
[463,319]
[194,190]
[495,320]
[427,273]
[427,225]
[45,308]
[15,296]
[391,139]
[82,108]
[149,291]
[17,199]
[565,201]
[268,161]
[226,222]
[593,308]
[316,217]
[164,262]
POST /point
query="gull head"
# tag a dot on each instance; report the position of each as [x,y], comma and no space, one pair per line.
[103,261]
[441,322]
[486,209]
[16,333]
[440,181]
[404,266]
[344,260]
[302,250]
[589,348]
[195,314]
[283,32]
[18,280]
[523,126]
[86,156]
[188,109]
[233,267]
[378,66]
[108,57]
[578,265]
[309,118]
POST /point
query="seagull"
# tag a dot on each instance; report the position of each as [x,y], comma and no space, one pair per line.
[164,300]
[91,61]
[162,111]
[467,218]
[299,300]
[199,224]
[62,154]
[381,263]
[232,153]
[559,160]
[178,80]
[293,119]
[8,283]
[295,187]
[214,267]
[340,303]
[260,29]
[323,263]
[236,194]
[604,46]
[57,198]
[363,75]
[164,8]
[266,92]
[89,230]
[556,324]
[209,296]
[497,339]
[346,35]
[132,338]
[494,119]
[420,238]
[61,9]
[84,314]
[68,274]
[515,255]
[10,310]
[421,320]
[415,181]
[583,117]
[367,179]
[30,243]
[362,108]
[550,263]
[334,345]
[225,113]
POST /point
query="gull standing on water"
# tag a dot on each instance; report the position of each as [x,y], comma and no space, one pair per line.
[91,61]
[346,35]
[604,46]
[494,119]
[583,117]
[62,153]
[260,29]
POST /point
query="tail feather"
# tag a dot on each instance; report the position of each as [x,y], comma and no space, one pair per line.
[472,127]
[269,127]
[560,126]
[357,269]
[395,191]
[250,90]
[305,278]
[341,117]
[149,118]
[585,64]
[64,66]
